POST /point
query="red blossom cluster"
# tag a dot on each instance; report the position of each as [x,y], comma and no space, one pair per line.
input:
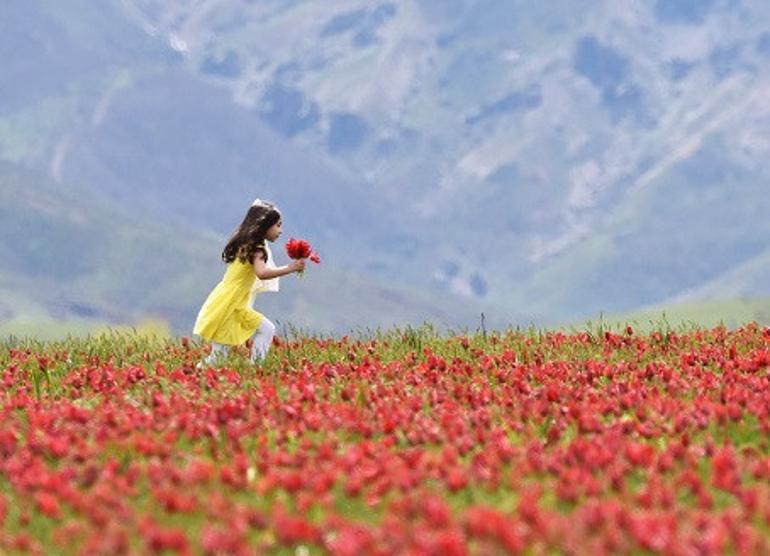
[409,443]
[301,249]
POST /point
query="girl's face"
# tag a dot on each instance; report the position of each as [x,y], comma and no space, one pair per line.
[274,231]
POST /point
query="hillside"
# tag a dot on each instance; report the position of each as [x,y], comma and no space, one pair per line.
[73,262]
[732,313]
[751,276]
[550,161]
[644,252]
[76,256]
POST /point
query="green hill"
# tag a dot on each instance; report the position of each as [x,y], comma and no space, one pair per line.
[77,257]
[743,280]
[732,313]
[669,240]
[73,262]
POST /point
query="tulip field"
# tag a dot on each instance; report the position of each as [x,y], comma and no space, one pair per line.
[396,442]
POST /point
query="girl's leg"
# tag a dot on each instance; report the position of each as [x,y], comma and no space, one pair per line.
[217,351]
[263,338]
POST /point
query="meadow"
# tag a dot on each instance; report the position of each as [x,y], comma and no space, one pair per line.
[406,441]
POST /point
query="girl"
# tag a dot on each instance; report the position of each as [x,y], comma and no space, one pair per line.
[227,318]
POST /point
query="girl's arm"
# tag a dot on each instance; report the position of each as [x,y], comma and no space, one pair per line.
[264,273]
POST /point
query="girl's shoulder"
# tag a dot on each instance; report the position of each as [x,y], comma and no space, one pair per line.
[262,251]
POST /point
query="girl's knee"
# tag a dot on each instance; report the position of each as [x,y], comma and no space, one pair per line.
[267,327]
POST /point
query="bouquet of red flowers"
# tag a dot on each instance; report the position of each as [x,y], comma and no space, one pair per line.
[300,249]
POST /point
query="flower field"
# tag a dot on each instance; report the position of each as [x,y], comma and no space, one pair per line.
[405,442]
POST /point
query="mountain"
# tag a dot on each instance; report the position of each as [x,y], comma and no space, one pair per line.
[547,160]
[140,131]
[519,130]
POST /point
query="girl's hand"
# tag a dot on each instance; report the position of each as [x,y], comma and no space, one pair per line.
[298,265]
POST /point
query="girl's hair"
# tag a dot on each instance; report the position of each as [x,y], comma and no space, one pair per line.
[249,237]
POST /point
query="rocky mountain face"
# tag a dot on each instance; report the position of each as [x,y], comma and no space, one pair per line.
[549,159]
[520,137]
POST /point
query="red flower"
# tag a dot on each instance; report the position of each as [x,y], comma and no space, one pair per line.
[298,248]
[292,530]
[456,479]
[301,249]
[47,504]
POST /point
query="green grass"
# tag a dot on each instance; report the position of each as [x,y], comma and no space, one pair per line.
[293,365]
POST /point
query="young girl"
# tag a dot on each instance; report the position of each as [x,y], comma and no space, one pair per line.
[227,318]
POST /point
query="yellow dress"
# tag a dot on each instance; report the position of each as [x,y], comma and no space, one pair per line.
[226,316]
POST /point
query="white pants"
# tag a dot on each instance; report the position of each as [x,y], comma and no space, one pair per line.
[262,338]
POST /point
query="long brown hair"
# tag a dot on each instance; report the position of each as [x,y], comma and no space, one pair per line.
[250,235]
